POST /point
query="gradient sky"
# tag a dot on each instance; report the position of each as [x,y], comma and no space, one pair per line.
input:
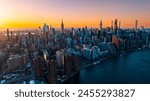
[75,13]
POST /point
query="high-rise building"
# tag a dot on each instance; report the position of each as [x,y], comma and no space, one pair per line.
[112,25]
[53,33]
[15,61]
[67,65]
[119,24]
[50,27]
[115,41]
[45,28]
[101,25]
[136,24]
[87,53]
[8,34]
[100,31]
[39,30]
[52,72]
[59,58]
[37,64]
[75,63]
[62,27]
[46,31]
[116,26]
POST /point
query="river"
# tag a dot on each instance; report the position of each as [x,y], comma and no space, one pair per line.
[131,68]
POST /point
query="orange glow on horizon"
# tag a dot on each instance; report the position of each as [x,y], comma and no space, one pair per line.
[76,24]
[75,13]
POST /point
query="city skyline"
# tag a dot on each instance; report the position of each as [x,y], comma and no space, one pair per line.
[74,13]
[74,42]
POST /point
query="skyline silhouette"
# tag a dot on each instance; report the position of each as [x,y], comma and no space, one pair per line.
[75,13]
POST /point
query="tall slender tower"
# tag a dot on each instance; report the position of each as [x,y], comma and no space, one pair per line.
[62,27]
[8,34]
[101,25]
[136,24]
[119,24]
[116,26]
[112,25]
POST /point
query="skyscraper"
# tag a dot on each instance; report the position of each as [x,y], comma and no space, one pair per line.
[112,25]
[8,34]
[67,69]
[101,25]
[37,64]
[62,27]
[45,28]
[136,24]
[52,72]
[46,32]
[119,24]
[76,63]
[116,26]
[39,30]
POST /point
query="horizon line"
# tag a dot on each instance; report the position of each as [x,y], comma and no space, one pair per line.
[31,28]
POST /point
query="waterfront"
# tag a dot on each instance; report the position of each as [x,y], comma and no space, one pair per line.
[131,68]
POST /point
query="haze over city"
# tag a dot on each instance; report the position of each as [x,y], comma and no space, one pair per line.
[74,42]
[74,13]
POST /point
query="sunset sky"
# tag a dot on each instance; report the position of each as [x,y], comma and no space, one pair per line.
[75,13]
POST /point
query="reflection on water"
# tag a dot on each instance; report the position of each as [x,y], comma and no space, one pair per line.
[127,69]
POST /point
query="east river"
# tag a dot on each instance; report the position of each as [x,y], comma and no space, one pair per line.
[131,68]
